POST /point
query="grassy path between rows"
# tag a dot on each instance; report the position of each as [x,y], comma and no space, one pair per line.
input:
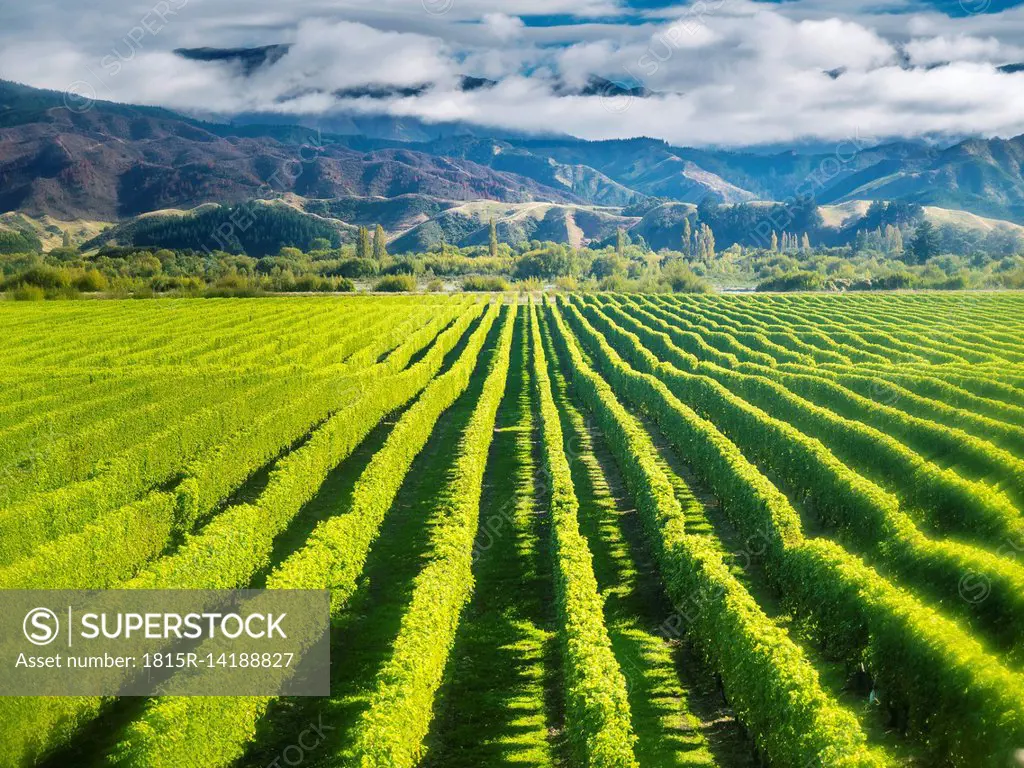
[744,558]
[679,720]
[500,703]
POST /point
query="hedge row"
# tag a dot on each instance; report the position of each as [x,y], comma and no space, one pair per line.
[772,686]
[935,388]
[177,340]
[1008,435]
[597,706]
[940,340]
[121,542]
[875,337]
[337,549]
[689,342]
[961,703]
[332,558]
[390,732]
[734,320]
[64,414]
[945,445]
[210,479]
[231,549]
[955,504]
[808,334]
[824,343]
[69,454]
[48,516]
[726,343]
[103,554]
[35,396]
[839,337]
[840,498]
[936,342]
[238,542]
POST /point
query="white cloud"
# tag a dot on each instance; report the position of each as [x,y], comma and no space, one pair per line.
[336,55]
[728,71]
[945,49]
[502,26]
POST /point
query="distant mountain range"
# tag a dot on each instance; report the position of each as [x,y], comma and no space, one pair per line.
[110,162]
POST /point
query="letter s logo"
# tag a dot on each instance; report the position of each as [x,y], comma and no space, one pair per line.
[41,626]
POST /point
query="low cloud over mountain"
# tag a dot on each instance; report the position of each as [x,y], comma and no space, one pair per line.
[721,73]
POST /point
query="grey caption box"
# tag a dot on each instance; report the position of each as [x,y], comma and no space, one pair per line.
[165,643]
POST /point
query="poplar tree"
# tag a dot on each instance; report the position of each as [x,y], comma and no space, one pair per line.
[380,244]
[363,244]
[709,243]
[493,240]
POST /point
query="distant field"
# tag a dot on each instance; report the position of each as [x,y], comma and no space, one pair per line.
[596,530]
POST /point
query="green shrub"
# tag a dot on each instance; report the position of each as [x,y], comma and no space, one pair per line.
[356,268]
[613,283]
[64,255]
[44,277]
[65,293]
[894,281]
[315,284]
[681,279]
[1013,279]
[234,286]
[27,293]
[396,284]
[793,281]
[92,281]
[186,285]
[19,242]
[529,285]
[484,283]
